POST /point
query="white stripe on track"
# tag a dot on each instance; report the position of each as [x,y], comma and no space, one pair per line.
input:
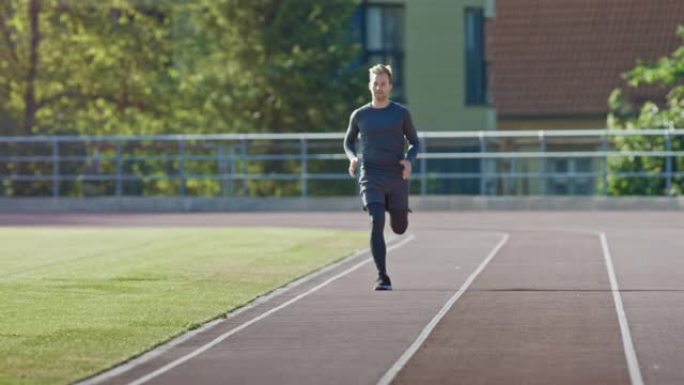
[229,333]
[630,353]
[401,362]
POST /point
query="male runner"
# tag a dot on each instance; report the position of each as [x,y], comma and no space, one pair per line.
[384,126]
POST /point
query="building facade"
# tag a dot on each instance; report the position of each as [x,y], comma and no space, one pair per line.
[437,50]
[553,65]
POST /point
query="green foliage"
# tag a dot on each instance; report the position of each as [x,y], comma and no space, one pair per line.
[667,72]
[144,67]
[101,67]
[280,66]
[98,67]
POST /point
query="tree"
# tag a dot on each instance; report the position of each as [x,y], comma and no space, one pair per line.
[91,67]
[118,67]
[667,72]
[141,67]
[282,66]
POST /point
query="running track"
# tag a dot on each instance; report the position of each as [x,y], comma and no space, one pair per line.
[480,298]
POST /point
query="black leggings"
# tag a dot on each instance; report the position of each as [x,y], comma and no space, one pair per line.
[399,223]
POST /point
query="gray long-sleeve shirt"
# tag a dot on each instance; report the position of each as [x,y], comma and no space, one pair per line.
[383,132]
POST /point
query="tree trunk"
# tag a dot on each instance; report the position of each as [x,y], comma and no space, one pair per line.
[31,106]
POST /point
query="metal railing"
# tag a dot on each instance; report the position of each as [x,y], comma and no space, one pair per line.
[554,162]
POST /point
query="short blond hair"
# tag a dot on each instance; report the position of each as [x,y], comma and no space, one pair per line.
[379,69]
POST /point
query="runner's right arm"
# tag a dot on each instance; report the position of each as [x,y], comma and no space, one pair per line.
[350,143]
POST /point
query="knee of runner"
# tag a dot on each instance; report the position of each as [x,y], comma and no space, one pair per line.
[377,225]
[399,228]
[399,221]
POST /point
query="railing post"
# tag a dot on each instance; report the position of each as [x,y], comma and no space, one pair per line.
[233,171]
[221,169]
[604,149]
[304,166]
[668,163]
[119,167]
[512,181]
[423,168]
[542,166]
[181,166]
[243,155]
[483,164]
[55,167]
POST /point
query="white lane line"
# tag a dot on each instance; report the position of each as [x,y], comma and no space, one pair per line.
[154,353]
[229,333]
[401,362]
[630,353]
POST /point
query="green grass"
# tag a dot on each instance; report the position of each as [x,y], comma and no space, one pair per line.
[76,301]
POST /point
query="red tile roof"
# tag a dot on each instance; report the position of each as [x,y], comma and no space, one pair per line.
[565,57]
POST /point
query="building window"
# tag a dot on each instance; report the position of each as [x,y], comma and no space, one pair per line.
[476,66]
[382,36]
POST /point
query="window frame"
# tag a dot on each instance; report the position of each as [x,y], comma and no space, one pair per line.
[476,68]
[397,55]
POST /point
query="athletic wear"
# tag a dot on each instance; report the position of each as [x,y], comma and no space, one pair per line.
[376,212]
[383,283]
[392,193]
[399,223]
[383,133]
[399,220]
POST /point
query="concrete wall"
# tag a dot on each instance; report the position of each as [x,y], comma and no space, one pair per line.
[418,203]
[435,66]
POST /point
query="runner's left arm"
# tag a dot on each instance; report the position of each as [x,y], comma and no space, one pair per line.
[412,137]
[350,137]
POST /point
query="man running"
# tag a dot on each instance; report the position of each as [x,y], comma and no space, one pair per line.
[384,126]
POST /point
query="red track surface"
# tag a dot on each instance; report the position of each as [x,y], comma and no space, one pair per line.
[539,309]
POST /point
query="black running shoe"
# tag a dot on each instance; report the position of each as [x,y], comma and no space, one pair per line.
[383,283]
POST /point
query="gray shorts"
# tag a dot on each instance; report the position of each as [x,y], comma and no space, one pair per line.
[391,192]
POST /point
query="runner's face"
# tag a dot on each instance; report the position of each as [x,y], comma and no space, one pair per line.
[380,87]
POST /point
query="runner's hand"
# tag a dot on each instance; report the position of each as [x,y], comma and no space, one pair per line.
[406,173]
[352,166]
